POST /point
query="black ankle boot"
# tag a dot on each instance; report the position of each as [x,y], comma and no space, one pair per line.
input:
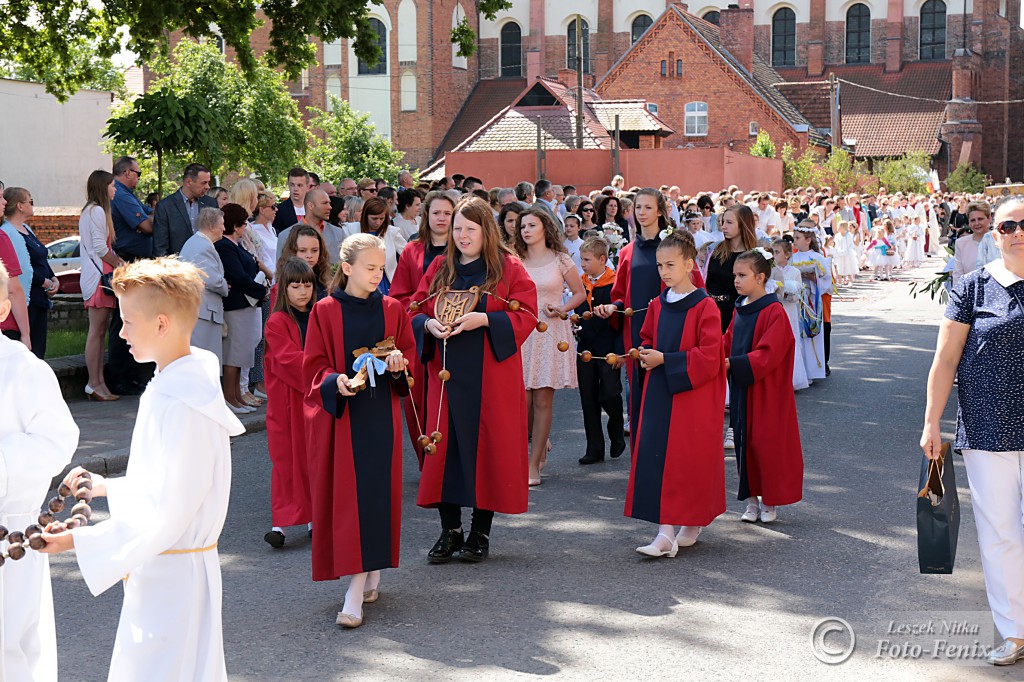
[476,548]
[448,544]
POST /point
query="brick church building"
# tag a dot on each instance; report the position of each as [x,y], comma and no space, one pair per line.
[714,73]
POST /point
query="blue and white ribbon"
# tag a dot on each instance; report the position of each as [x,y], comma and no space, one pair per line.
[373,366]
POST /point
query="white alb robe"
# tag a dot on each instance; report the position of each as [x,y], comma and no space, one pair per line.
[174,496]
[37,439]
[814,348]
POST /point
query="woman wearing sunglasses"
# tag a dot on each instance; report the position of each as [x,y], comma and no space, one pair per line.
[981,341]
[587,213]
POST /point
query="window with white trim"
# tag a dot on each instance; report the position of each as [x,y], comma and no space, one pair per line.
[696,119]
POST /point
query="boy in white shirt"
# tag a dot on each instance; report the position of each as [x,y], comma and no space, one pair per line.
[167,513]
[37,439]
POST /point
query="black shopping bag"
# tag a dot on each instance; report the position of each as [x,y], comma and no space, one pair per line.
[938,515]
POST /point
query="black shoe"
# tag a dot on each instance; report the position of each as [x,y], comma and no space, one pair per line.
[476,548]
[448,544]
[828,371]
[618,447]
[275,539]
[591,459]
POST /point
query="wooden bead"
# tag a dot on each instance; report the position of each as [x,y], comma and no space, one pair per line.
[423,441]
[71,523]
[563,316]
[574,318]
[586,356]
[628,312]
[611,358]
[80,518]
[33,529]
[45,519]
[36,541]
[84,483]
[430,449]
[82,509]
[2,560]
[410,381]
[563,346]
[56,527]
[3,533]
[415,305]
[16,537]
[85,476]
[514,305]
[542,326]
[634,353]
[436,436]
[63,490]
[587,315]
[84,495]
[444,375]
[16,551]
[55,505]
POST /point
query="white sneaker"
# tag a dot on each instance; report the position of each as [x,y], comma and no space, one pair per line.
[728,444]
[750,515]
[768,514]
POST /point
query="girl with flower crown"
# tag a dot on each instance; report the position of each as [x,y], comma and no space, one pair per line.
[760,348]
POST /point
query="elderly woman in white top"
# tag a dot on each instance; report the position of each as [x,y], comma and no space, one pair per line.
[199,250]
[96,238]
[980,343]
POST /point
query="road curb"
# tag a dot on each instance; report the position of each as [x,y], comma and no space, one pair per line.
[115,462]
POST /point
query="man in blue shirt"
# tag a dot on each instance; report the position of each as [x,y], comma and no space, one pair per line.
[133,240]
[133,226]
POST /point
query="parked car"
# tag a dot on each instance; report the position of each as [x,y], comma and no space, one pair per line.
[64,254]
[70,282]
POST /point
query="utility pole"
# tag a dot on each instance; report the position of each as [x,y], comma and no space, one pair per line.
[579,81]
[833,108]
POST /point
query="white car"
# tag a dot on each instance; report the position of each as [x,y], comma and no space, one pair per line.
[63,254]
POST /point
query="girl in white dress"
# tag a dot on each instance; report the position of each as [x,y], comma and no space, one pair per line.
[915,244]
[845,258]
[787,288]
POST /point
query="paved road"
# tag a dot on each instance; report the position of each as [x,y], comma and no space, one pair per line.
[564,592]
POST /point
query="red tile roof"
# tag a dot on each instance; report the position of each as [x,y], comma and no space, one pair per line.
[487,98]
[882,124]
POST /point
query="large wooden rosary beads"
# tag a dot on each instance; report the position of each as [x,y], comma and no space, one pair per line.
[81,513]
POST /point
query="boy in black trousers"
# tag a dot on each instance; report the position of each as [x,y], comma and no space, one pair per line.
[600,383]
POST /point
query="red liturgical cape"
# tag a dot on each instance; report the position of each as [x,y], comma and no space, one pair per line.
[481,460]
[286,428]
[760,346]
[678,473]
[355,443]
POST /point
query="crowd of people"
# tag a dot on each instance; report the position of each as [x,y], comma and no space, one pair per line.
[457,312]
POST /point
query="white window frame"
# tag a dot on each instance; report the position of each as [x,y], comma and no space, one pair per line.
[695,119]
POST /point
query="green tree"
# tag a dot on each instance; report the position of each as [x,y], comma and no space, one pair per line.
[256,124]
[842,173]
[905,173]
[84,63]
[797,171]
[164,122]
[966,178]
[43,34]
[350,146]
[763,146]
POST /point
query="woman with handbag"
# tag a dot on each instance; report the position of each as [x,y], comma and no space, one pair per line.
[98,260]
[247,286]
[979,344]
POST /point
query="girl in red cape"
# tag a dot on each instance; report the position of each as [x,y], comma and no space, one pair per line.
[286,438]
[636,284]
[431,242]
[355,438]
[481,459]
[762,405]
[678,472]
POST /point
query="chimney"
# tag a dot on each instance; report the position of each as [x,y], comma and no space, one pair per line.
[567,77]
[894,37]
[534,66]
[736,28]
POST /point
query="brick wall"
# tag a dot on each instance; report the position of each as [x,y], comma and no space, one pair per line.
[731,104]
[68,314]
[51,223]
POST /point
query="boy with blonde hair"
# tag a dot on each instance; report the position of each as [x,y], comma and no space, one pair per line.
[167,512]
[37,439]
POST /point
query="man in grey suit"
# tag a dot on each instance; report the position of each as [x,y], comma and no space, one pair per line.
[175,218]
[199,251]
[545,195]
[318,208]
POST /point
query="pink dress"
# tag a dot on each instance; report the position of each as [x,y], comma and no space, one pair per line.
[544,366]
